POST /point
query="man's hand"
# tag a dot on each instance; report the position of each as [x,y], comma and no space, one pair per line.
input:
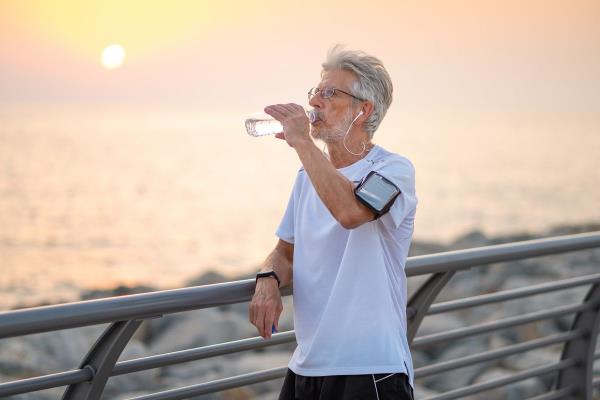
[296,128]
[266,306]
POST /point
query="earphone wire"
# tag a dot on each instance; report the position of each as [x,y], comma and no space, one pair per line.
[346,135]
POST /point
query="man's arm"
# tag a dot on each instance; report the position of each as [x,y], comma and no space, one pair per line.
[334,189]
[266,306]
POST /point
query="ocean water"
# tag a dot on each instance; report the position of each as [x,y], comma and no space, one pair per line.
[93,199]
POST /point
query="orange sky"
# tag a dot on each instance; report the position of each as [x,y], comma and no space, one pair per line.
[500,55]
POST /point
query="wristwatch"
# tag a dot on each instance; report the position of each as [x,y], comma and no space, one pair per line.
[267,274]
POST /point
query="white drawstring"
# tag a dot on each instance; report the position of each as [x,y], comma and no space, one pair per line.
[384,377]
[375,384]
[379,380]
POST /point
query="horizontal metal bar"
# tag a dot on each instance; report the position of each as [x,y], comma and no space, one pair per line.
[556,395]
[45,382]
[520,376]
[198,353]
[512,294]
[216,385]
[495,354]
[459,259]
[122,308]
[147,305]
[423,341]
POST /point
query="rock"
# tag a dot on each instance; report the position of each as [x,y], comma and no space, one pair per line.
[439,323]
[143,380]
[414,283]
[421,392]
[63,350]
[208,278]
[174,382]
[516,391]
[418,248]
[48,394]
[268,395]
[227,366]
[199,328]
[45,353]
[20,358]
[532,359]
[121,290]
[241,393]
[459,377]
[420,358]
[470,240]
[129,395]
[463,284]
[252,362]
[572,229]
[436,324]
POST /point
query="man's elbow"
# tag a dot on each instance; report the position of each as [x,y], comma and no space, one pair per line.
[354,220]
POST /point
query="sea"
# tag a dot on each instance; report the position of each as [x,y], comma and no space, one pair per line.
[95,198]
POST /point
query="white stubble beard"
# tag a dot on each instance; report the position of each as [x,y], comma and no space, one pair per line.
[332,134]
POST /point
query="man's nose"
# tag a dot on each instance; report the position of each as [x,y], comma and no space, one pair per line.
[316,101]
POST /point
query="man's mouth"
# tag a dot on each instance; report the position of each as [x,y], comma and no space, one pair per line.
[318,118]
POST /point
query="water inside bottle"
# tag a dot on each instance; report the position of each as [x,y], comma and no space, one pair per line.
[261,126]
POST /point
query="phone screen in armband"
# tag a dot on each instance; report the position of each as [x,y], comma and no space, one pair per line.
[377,193]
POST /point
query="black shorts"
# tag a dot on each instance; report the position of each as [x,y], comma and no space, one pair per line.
[346,387]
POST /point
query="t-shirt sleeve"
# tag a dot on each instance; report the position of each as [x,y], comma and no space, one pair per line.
[285,231]
[401,172]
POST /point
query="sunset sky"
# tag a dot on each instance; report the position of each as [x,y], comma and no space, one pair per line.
[216,56]
[133,161]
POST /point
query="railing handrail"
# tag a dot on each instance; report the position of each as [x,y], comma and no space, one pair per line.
[152,304]
[461,259]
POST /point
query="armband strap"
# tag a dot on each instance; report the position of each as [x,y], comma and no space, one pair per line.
[377,193]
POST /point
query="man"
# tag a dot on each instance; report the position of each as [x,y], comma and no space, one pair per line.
[344,253]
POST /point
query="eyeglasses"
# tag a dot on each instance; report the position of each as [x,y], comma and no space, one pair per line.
[328,92]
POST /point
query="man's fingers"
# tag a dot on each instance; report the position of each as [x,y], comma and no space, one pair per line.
[259,323]
[268,324]
[276,112]
[251,313]
[276,322]
[291,108]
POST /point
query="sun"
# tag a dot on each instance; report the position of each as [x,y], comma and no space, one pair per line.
[113,56]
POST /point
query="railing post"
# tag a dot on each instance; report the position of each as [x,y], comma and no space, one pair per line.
[421,300]
[582,349]
[101,359]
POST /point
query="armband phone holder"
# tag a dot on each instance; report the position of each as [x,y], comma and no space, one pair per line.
[377,193]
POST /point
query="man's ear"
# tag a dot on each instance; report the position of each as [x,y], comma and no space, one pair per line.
[365,112]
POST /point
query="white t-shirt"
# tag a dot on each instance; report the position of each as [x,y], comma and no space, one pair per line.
[350,285]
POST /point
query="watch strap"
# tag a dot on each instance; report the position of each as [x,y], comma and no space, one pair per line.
[267,274]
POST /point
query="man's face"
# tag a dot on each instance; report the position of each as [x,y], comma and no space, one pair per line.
[335,113]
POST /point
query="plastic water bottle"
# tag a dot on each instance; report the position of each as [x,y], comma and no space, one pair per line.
[262,124]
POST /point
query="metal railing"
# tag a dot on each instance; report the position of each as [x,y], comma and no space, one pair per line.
[573,374]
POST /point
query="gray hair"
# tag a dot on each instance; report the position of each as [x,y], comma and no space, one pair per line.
[373,82]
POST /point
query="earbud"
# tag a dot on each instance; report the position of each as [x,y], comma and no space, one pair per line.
[355,118]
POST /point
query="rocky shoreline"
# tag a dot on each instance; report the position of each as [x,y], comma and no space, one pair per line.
[39,354]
